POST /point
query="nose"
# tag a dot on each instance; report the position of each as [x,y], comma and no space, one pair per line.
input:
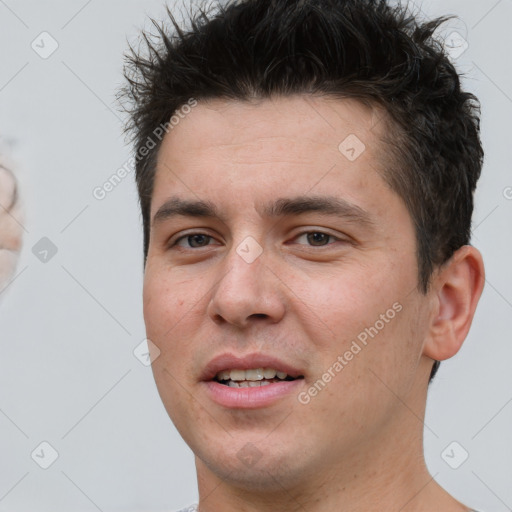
[248,292]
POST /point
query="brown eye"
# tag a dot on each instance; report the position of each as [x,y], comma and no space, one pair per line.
[317,238]
[193,241]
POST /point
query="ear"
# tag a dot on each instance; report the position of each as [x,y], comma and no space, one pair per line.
[457,288]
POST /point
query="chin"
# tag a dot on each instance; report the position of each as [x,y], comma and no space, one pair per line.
[266,468]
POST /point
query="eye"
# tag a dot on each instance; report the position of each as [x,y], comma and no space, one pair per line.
[192,241]
[317,238]
[198,240]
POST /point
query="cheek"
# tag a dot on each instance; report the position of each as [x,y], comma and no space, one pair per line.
[169,306]
[168,295]
[369,316]
[347,301]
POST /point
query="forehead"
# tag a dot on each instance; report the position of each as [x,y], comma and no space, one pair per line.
[266,147]
[292,122]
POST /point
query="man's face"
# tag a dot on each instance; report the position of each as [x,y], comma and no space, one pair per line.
[325,295]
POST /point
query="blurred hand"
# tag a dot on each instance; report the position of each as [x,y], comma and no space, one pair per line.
[10,225]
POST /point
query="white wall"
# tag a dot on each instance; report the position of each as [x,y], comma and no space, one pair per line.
[69,325]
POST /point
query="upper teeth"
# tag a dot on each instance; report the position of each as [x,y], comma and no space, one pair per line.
[252,374]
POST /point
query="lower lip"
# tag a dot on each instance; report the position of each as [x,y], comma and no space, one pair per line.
[251,398]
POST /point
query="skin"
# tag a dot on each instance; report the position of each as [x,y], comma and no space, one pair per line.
[357,444]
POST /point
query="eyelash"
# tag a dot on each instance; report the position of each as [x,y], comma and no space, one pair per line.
[188,235]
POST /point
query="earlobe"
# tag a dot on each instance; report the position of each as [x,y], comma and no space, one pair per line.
[457,287]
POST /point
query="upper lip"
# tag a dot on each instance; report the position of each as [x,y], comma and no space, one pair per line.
[230,361]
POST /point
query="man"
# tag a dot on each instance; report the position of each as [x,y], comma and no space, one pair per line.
[306,173]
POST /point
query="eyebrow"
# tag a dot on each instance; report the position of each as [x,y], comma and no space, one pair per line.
[285,206]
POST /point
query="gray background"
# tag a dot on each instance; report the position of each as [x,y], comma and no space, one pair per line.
[70,324]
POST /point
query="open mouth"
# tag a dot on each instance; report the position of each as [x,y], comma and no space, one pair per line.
[252,378]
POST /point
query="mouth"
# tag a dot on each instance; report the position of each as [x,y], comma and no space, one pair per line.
[250,382]
[252,378]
